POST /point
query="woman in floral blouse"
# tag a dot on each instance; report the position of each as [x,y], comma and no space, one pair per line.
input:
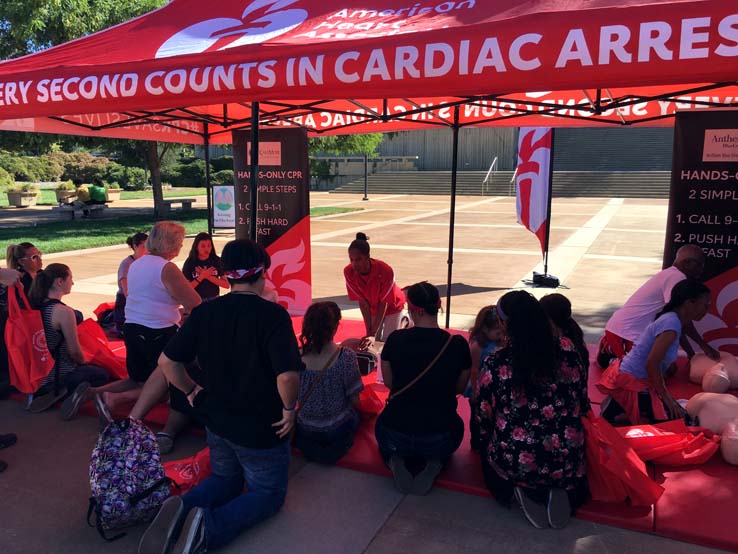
[532,393]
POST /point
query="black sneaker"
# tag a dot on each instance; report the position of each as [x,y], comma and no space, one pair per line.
[192,537]
[158,538]
[558,508]
[535,512]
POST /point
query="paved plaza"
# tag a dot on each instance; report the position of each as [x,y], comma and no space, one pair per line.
[601,250]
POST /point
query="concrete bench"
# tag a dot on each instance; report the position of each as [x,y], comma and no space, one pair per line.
[72,211]
[185,203]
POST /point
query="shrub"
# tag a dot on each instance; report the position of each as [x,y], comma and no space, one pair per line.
[224,177]
[24,187]
[120,176]
[186,175]
[221,164]
[84,166]
[65,185]
[6,180]
[14,165]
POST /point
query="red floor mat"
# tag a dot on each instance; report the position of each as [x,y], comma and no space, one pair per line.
[700,504]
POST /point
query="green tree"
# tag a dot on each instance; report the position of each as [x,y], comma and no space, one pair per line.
[28,26]
[344,145]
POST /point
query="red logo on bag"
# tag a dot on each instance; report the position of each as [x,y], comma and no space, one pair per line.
[39,344]
[262,20]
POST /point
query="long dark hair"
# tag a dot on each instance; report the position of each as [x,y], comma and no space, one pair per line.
[558,308]
[360,243]
[487,318]
[14,253]
[683,291]
[319,326]
[193,257]
[43,282]
[530,337]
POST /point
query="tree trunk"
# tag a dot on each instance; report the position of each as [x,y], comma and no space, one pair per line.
[154,162]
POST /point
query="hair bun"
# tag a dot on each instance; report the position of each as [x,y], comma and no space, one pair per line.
[361,236]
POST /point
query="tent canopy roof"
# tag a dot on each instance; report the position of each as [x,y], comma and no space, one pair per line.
[191,69]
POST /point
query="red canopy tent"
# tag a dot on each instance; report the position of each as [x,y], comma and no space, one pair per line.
[193,71]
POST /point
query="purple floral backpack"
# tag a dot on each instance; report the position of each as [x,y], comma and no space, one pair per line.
[126,477]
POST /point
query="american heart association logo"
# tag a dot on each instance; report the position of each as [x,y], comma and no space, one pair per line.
[39,344]
[261,20]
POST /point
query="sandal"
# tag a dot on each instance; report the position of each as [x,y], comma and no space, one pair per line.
[74,401]
[44,402]
[8,440]
[165,442]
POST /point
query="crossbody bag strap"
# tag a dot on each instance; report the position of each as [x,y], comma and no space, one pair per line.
[55,353]
[420,375]
[314,384]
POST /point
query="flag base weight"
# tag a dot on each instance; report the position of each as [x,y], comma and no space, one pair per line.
[545,280]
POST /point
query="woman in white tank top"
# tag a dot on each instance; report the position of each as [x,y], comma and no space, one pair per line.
[156,290]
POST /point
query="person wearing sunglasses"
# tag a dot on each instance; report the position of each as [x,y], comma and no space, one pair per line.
[24,260]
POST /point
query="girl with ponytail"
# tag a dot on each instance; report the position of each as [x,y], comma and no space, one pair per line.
[137,243]
[636,385]
[371,283]
[60,327]
[329,388]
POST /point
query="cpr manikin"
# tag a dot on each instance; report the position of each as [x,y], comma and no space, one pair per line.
[714,376]
[719,414]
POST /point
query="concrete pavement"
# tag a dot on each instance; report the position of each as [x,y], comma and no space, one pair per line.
[602,249]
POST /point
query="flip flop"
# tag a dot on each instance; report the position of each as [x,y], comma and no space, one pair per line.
[165,442]
[159,536]
[74,401]
[103,412]
[42,403]
[8,440]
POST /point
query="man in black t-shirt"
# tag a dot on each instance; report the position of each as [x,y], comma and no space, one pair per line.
[248,352]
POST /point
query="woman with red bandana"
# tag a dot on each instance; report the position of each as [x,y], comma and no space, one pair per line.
[371,282]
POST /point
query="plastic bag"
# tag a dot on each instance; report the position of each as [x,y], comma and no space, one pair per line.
[96,350]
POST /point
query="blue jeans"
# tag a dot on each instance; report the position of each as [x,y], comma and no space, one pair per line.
[327,447]
[229,511]
[426,446]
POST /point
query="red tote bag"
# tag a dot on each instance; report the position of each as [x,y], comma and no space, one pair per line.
[29,359]
[614,471]
[96,350]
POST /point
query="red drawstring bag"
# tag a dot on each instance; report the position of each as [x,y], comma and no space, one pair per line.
[96,350]
[29,358]
[671,443]
[189,472]
[614,470]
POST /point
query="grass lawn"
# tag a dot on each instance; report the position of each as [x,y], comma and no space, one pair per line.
[77,234]
[48,197]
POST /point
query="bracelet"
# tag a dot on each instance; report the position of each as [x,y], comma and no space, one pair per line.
[292,409]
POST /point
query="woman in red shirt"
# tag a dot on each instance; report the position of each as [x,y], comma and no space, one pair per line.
[372,283]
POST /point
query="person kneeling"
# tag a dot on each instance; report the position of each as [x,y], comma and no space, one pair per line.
[636,385]
[329,388]
[425,368]
[532,394]
[250,360]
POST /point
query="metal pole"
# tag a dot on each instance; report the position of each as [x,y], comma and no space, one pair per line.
[366,177]
[452,217]
[548,209]
[208,185]
[254,179]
